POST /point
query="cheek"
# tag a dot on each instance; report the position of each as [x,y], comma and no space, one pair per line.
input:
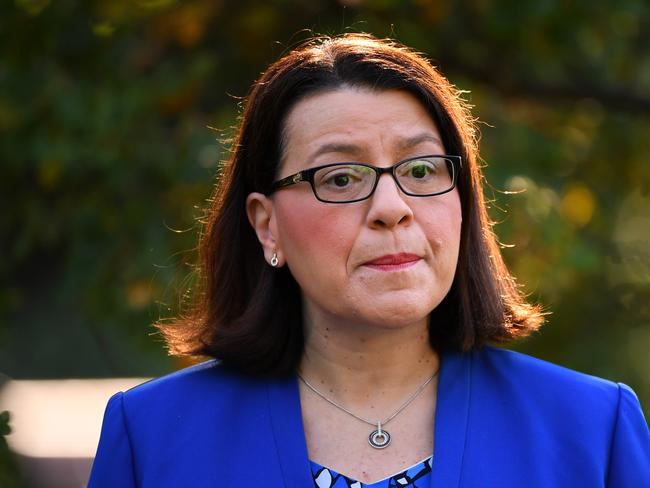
[442,226]
[311,228]
[452,222]
[445,212]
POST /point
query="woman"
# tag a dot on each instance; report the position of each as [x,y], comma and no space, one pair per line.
[351,282]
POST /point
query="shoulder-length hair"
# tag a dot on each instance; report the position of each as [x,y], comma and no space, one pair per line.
[248,314]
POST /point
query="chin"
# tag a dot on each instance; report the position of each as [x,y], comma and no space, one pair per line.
[396,318]
[403,309]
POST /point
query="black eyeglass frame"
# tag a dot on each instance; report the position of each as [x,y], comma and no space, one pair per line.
[308,176]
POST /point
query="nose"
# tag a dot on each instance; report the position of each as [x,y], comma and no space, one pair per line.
[388,207]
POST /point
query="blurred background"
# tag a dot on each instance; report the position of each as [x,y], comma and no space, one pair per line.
[113,115]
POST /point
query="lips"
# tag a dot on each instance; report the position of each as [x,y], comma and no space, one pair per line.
[393,261]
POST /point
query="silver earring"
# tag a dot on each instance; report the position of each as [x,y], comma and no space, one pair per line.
[274,260]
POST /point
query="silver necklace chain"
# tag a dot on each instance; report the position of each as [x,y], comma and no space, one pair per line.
[379,438]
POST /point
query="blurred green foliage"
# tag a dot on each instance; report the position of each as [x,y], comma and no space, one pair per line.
[107,160]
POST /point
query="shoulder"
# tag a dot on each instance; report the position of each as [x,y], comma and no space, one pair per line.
[198,423]
[522,365]
[545,383]
[190,390]
[207,372]
[596,423]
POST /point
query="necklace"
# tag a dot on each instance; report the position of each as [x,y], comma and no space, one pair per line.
[378,438]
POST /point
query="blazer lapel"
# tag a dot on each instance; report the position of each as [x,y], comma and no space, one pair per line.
[452,416]
[288,432]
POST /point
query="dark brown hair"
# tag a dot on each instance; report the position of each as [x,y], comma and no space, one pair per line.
[248,314]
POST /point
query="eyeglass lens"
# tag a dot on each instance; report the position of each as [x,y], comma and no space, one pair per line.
[422,176]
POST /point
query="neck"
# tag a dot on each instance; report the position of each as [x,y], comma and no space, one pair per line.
[353,362]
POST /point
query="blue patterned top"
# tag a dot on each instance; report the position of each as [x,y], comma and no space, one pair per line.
[417,476]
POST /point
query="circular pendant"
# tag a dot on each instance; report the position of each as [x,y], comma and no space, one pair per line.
[379,439]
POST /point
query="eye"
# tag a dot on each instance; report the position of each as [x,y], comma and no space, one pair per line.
[340,180]
[339,177]
[419,169]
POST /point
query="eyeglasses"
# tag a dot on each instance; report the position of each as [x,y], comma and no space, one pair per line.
[422,176]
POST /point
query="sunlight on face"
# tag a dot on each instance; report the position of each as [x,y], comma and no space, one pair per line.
[387,261]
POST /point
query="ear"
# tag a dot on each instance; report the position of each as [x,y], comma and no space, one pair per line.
[260,212]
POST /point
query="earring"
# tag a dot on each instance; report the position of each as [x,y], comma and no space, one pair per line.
[274,260]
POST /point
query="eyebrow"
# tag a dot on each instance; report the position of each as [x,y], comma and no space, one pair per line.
[402,144]
[336,147]
[419,139]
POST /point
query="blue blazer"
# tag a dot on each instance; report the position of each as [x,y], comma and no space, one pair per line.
[503,419]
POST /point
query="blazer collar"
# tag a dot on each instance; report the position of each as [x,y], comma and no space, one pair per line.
[451,425]
[286,423]
[452,417]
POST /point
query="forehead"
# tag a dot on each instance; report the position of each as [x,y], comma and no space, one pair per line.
[357,122]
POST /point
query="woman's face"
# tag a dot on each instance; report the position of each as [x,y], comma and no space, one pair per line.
[387,261]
